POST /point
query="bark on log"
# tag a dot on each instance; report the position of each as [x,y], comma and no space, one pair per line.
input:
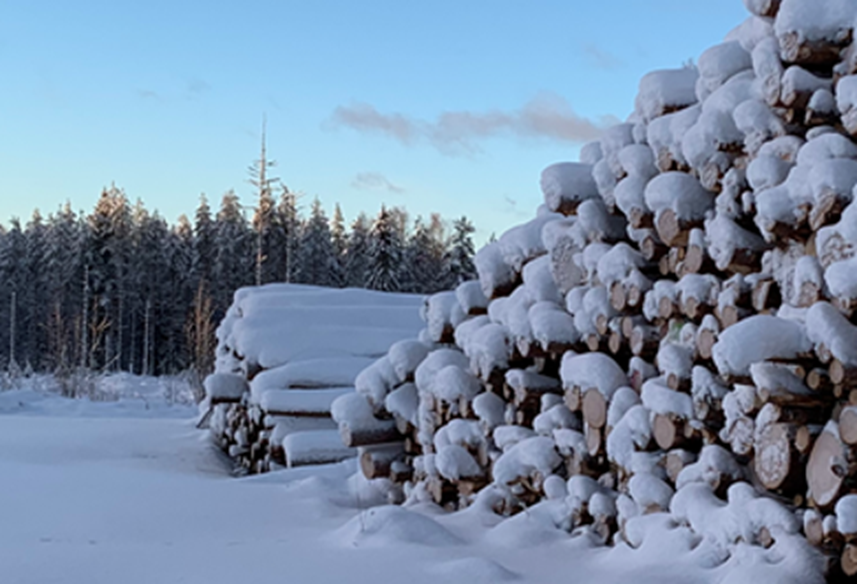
[376,462]
[381,433]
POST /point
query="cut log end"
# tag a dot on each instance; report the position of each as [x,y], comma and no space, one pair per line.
[595,408]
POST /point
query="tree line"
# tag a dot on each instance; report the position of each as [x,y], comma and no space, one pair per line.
[120,289]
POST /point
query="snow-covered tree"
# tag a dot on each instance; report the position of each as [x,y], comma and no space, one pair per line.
[424,260]
[357,253]
[384,266]
[459,256]
[318,263]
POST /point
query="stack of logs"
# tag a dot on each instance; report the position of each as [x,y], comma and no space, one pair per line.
[682,309]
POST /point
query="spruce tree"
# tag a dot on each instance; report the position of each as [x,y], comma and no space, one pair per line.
[384,268]
[203,244]
[339,240]
[460,252]
[234,255]
[357,253]
[284,237]
[424,261]
[317,258]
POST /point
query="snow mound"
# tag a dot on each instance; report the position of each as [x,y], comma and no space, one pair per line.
[392,526]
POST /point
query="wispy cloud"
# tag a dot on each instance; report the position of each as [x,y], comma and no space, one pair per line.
[375,181]
[147,94]
[365,118]
[197,86]
[601,58]
[548,116]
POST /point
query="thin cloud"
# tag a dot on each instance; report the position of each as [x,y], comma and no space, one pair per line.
[601,58]
[375,181]
[548,116]
[147,94]
[365,118]
[198,86]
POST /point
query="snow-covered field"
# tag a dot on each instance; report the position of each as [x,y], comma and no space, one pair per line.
[129,492]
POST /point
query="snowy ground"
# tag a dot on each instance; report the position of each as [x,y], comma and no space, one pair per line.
[130,492]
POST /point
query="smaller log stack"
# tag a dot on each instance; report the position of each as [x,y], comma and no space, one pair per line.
[284,354]
[673,335]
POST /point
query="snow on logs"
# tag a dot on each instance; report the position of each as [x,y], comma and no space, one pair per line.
[671,339]
[270,398]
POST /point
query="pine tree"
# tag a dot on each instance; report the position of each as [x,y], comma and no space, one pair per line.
[384,268]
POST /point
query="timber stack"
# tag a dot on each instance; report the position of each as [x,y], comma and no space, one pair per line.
[672,337]
[285,352]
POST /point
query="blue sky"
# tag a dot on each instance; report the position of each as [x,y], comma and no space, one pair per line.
[444,106]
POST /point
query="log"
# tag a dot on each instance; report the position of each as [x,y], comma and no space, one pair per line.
[813,527]
[668,431]
[594,440]
[805,438]
[841,374]
[666,307]
[376,462]
[615,342]
[705,341]
[676,460]
[618,297]
[826,468]
[766,295]
[382,432]
[652,248]
[573,399]
[595,409]
[628,324]
[694,258]
[849,560]
[848,426]
[671,230]
[641,218]
[694,309]
[819,380]
[777,462]
[593,342]
[645,341]
[818,52]
[764,8]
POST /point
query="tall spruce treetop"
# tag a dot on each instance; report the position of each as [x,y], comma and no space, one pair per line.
[284,237]
[317,259]
[384,269]
[233,264]
[357,253]
[340,242]
[203,244]
[459,257]
[424,257]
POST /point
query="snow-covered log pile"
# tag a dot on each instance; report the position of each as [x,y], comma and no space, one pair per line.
[672,339]
[284,354]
